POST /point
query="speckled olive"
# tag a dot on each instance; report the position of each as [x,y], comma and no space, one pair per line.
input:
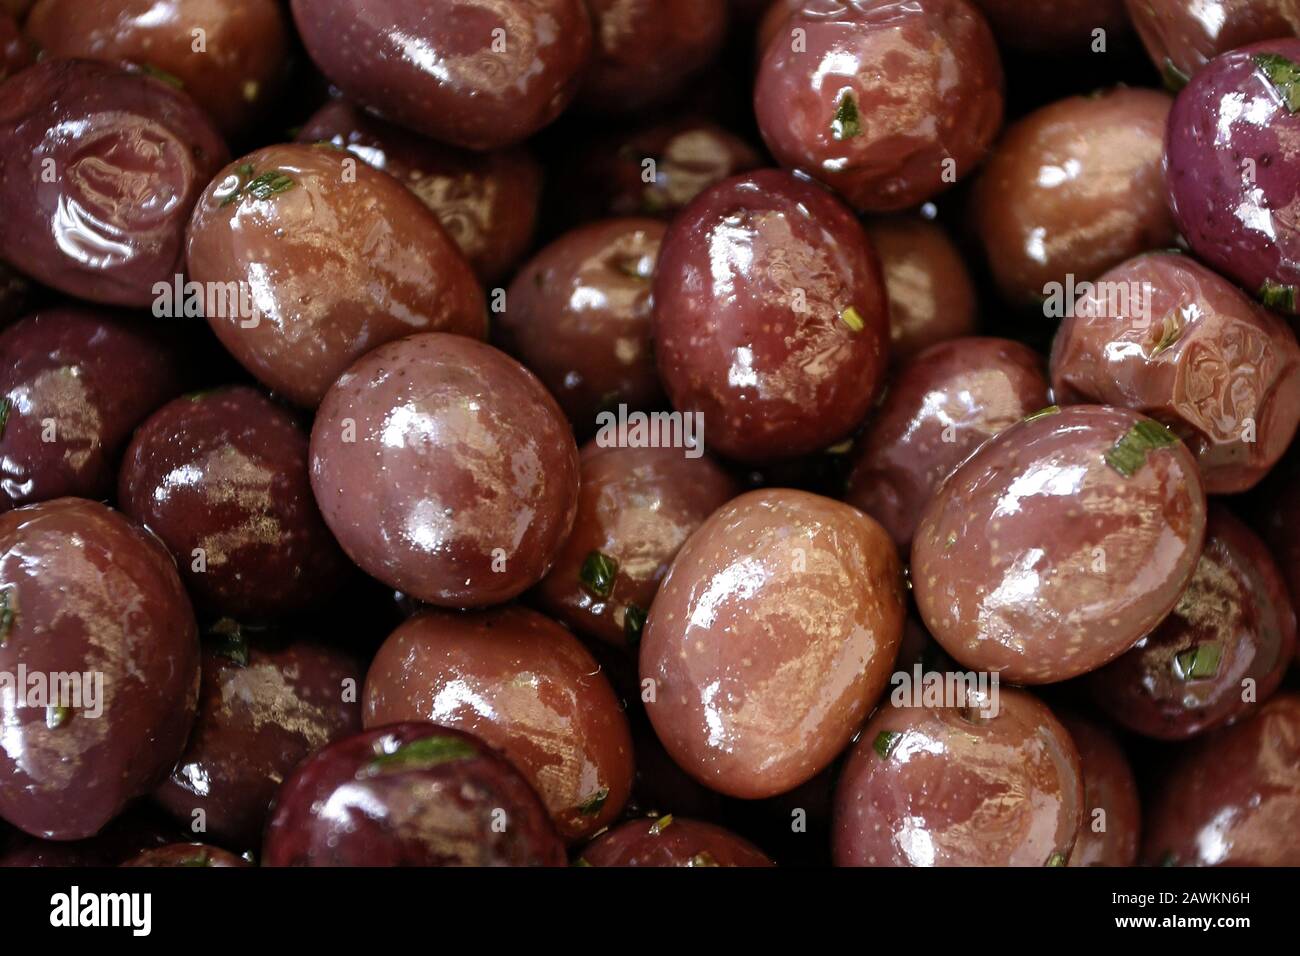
[958,786]
[940,407]
[88,594]
[770,316]
[333,258]
[1183,35]
[671,841]
[409,795]
[636,506]
[770,640]
[445,470]
[886,102]
[523,684]
[1059,543]
[1056,26]
[1187,348]
[187,855]
[15,52]
[474,73]
[129,157]
[1112,816]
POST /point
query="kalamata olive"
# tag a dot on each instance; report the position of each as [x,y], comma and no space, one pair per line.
[888,103]
[1225,646]
[409,795]
[330,258]
[73,383]
[1183,35]
[1232,174]
[91,607]
[138,829]
[671,841]
[487,202]
[1112,816]
[770,640]
[474,74]
[229,56]
[770,318]
[931,297]
[636,506]
[262,709]
[221,478]
[15,53]
[1233,798]
[522,683]
[445,470]
[940,407]
[1072,189]
[187,854]
[960,786]
[1169,338]
[578,315]
[99,169]
[1059,543]
[1055,26]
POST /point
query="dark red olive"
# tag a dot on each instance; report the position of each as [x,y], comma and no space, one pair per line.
[1183,35]
[187,855]
[1112,817]
[671,841]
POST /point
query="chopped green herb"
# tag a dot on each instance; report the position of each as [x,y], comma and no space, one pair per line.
[581,862]
[842,448]
[57,716]
[6,616]
[1277,296]
[1175,79]
[852,319]
[1129,453]
[595,804]
[202,858]
[1043,413]
[598,573]
[885,743]
[1284,75]
[1199,663]
[662,824]
[633,623]
[703,858]
[227,638]
[263,186]
[424,753]
[847,123]
[170,79]
[5,405]
[1056,859]
[1171,330]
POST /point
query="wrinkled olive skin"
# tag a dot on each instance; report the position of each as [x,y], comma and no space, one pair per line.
[960,789]
[15,53]
[755,279]
[225,473]
[344,260]
[578,315]
[475,73]
[84,378]
[462,481]
[1236,601]
[636,506]
[523,684]
[1074,188]
[1221,371]
[256,721]
[1039,560]
[487,202]
[1233,798]
[931,296]
[187,855]
[235,76]
[1054,26]
[926,82]
[939,408]
[91,593]
[437,811]
[1234,172]
[770,640]
[1111,837]
[131,156]
[1183,35]
[671,841]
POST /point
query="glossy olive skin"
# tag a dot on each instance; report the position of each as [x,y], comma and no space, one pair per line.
[1038,559]
[1182,35]
[487,202]
[343,260]
[1237,602]
[771,638]
[959,789]
[234,77]
[389,806]
[671,841]
[1233,172]
[225,473]
[83,378]
[15,53]
[939,408]
[931,296]
[1233,798]
[474,73]
[578,315]
[522,683]
[1199,356]
[1109,837]
[1074,188]
[187,855]
[460,483]
[131,156]
[636,506]
[924,83]
[89,592]
[1054,26]
[754,283]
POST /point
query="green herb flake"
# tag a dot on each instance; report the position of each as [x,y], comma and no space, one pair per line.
[595,804]
[1056,859]
[226,638]
[56,717]
[5,405]
[202,858]
[703,858]
[842,448]
[598,573]
[1199,663]
[6,616]
[1277,296]
[852,319]
[847,123]
[1284,75]
[1175,79]
[581,862]
[1129,453]
[662,824]
[265,185]
[1043,413]
[423,754]
[175,82]
[1171,330]
[885,743]
[633,623]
